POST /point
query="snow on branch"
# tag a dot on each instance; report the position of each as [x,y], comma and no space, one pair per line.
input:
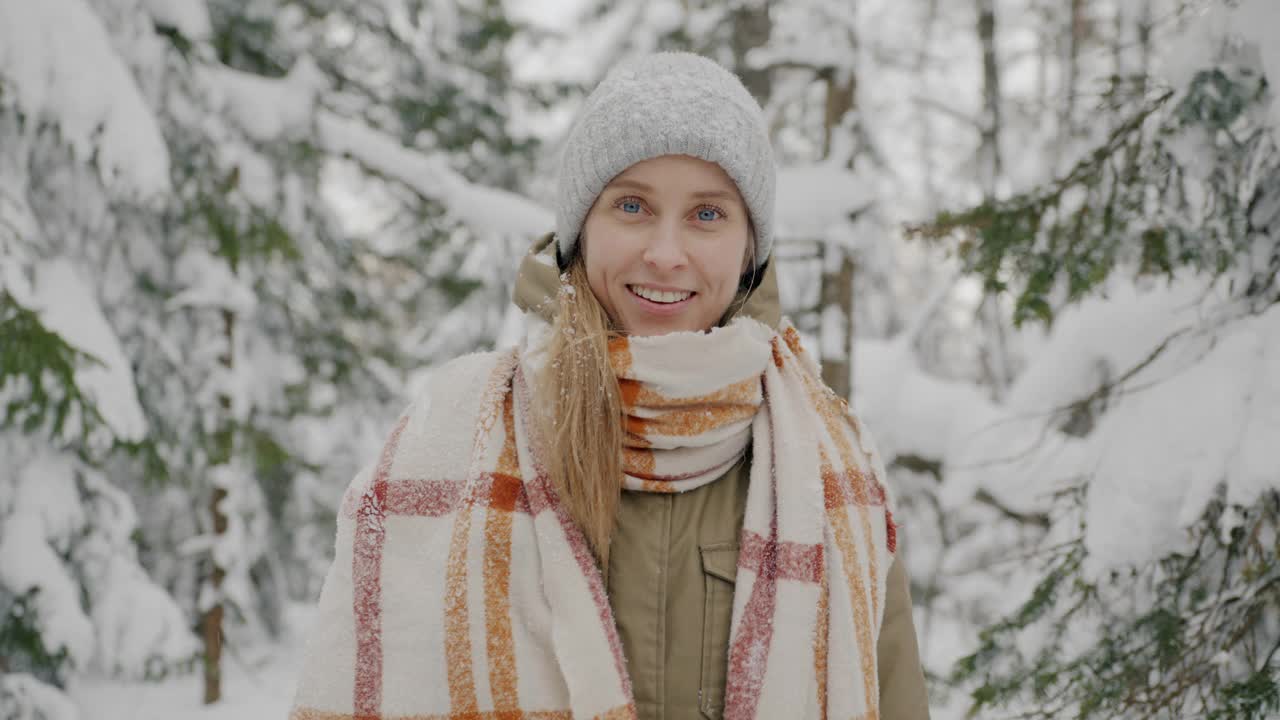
[483,209]
[814,199]
[59,61]
[267,109]
[67,306]
[270,109]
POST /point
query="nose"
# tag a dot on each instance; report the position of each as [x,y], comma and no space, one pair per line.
[665,250]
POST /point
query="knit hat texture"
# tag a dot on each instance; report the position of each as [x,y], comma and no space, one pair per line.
[668,103]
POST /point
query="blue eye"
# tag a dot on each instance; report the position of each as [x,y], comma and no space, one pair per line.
[630,206]
[708,214]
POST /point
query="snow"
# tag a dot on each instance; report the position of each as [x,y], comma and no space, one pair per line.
[61,509]
[812,199]
[834,333]
[138,626]
[58,59]
[480,208]
[512,330]
[558,15]
[911,410]
[1165,447]
[189,17]
[1256,21]
[1201,40]
[498,211]
[267,109]
[810,54]
[252,689]
[1201,413]
[66,306]
[19,219]
[209,282]
[236,548]
[1114,330]
[44,520]
[1198,414]
[255,177]
[580,56]
[22,695]
[137,621]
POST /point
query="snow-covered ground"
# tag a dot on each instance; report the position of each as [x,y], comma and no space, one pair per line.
[256,688]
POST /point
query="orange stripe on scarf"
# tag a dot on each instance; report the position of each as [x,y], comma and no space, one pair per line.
[863,615]
[497,573]
[656,422]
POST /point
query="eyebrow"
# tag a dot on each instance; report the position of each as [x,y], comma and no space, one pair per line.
[700,195]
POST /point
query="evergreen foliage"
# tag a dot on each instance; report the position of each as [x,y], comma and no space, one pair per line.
[1139,202]
[1188,182]
[1193,635]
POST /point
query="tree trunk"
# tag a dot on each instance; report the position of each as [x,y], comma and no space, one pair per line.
[1117,45]
[751,29]
[837,293]
[837,265]
[990,164]
[926,139]
[1068,74]
[1044,57]
[211,623]
[841,91]
[1145,23]
[990,168]
[1067,127]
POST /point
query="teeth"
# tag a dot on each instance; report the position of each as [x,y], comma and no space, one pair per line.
[660,296]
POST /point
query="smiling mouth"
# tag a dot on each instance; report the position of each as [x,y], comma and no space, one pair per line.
[661,297]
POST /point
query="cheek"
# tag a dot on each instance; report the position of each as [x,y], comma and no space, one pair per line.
[596,281]
[720,273]
[600,252]
[610,247]
[725,265]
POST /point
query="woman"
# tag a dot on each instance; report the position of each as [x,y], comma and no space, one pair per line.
[653,508]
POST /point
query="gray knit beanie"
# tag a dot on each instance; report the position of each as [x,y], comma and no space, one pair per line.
[669,103]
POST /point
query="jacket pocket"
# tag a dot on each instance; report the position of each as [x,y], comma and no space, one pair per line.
[719,573]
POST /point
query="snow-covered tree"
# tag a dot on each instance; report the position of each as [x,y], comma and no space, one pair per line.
[198,344]
[1147,478]
[77,139]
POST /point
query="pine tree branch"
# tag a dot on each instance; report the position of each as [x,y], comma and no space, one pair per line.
[954,114]
[1270,656]
[1040,520]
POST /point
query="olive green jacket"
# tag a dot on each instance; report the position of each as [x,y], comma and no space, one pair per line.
[672,566]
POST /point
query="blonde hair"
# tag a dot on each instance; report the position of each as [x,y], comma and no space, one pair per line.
[578,395]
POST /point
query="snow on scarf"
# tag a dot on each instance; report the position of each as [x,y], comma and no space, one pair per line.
[462,589]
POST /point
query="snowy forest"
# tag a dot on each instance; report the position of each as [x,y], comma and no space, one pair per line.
[1035,242]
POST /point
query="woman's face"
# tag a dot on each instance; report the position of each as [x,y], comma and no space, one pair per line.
[665,244]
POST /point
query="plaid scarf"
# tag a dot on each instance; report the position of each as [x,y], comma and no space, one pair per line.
[687,419]
[462,589]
